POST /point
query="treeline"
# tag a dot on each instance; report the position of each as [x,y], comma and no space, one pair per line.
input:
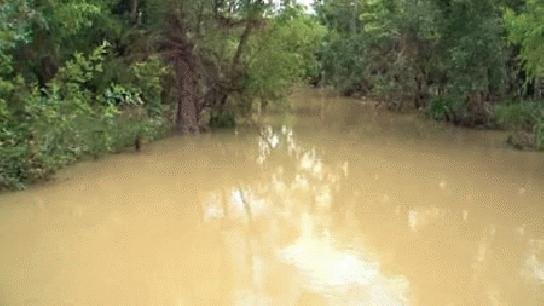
[470,62]
[83,77]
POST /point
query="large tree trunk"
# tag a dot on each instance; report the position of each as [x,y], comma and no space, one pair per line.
[187,112]
[186,65]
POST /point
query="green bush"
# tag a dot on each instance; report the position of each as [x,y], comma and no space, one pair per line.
[539,134]
[524,118]
[439,108]
[448,108]
[47,128]
[522,115]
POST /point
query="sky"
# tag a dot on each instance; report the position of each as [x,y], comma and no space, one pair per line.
[307,3]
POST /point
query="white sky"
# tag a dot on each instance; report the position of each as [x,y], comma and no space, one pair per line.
[307,3]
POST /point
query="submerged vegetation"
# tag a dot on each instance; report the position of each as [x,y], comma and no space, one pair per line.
[84,77]
[472,63]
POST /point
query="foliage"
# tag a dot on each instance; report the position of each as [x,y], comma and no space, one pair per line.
[519,115]
[525,117]
[147,77]
[283,55]
[526,29]
[56,125]
[168,62]
[172,61]
[455,59]
[539,132]
[440,108]
[397,47]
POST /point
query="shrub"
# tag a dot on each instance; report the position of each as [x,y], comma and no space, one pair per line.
[44,129]
[526,119]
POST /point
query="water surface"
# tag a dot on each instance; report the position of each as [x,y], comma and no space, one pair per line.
[333,203]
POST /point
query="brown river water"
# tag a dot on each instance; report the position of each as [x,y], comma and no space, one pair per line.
[333,203]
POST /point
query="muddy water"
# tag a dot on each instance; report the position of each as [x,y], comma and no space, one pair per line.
[332,204]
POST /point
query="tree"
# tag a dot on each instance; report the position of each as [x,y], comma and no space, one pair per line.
[526,29]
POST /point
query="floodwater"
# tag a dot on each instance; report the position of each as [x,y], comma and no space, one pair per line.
[333,203]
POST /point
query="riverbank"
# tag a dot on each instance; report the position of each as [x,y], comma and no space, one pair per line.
[128,131]
[522,122]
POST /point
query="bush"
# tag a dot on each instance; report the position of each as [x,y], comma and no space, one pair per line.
[448,108]
[526,119]
[522,115]
[539,134]
[45,129]
[439,109]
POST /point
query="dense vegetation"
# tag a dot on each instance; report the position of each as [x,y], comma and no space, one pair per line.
[83,77]
[470,62]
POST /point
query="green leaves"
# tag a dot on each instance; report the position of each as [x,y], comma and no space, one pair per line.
[69,17]
[147,77]
[527,29]
[60,97]
[539,132]
[284,54]
[526,121]
[14,30]
[117,95]
[82,69]
[56,125]
[398,48]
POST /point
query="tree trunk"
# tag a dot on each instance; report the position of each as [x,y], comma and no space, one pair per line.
[134,12]
[187,113]
[236,61]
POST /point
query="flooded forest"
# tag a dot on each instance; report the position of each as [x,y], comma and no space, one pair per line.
[266,152]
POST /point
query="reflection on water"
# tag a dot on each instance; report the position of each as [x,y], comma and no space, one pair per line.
[333,204]
[341,276]
[535,260]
